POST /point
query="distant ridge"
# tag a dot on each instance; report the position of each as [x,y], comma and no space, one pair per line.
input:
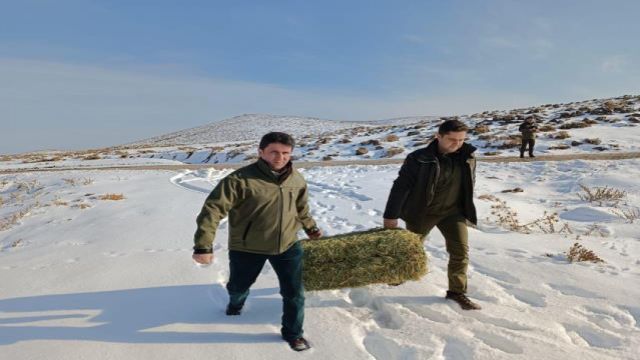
[249,127]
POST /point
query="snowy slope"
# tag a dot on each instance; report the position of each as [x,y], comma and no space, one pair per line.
[113,279]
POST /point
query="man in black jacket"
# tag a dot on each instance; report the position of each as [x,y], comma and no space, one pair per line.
[435,188]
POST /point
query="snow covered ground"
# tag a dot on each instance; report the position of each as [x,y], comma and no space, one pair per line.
[88,277]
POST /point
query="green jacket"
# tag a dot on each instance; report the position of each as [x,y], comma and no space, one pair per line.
[265,213]
[528,130]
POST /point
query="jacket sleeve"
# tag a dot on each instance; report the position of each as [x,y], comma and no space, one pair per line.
[302,206]
[223,197]
[402,185]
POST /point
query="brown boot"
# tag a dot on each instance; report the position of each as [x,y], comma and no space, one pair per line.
[462,300]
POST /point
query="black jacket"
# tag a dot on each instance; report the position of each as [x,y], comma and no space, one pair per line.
[413,190]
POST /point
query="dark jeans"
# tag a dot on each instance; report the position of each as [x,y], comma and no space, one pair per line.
[523,146]
[456,237]
[244,270]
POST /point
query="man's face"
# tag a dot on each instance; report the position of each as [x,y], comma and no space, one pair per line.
[276,155]
[451,141]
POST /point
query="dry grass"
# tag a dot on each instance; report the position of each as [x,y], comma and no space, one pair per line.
[60,203]
[111,197]
[595,229]
[12,219]
[92,157]
[357,259]
[602,195]
[579,253]
[76,182]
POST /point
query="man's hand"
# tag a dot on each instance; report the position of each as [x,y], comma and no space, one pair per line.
[390,223]
[204,259]
[315,235]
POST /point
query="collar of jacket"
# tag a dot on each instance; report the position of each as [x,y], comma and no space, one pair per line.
[266,169]
[466,150]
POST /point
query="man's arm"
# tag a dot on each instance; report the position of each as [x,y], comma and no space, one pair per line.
[215,208]
[402,185]
[302,206]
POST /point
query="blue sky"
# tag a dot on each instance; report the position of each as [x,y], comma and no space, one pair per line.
[81,74]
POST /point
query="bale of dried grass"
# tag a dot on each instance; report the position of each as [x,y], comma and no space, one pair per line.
[377,256]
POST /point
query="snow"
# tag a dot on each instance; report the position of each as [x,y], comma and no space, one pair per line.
[114,279]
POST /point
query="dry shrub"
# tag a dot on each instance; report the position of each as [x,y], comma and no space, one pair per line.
[76,182]
[596,229]
[60,203]
[12,219]
[593,141]
[561,135]
[393,151]
[111,197]
[81,206]
[361,151]
[391,138]
[579,253]
[601,194]
[508,218]
[546,128]
[481,129]
[560,147]
[575,125]
[92,157]
[509,144]
[610,105]
[629,215]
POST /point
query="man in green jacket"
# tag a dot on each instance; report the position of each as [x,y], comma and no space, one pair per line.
[267,205]
[435,189]
[528,129]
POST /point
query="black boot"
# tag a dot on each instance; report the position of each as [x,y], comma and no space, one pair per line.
[233,310]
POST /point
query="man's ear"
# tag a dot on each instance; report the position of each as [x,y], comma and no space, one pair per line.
[260,152]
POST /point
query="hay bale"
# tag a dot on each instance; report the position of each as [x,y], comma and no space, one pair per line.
[377,256]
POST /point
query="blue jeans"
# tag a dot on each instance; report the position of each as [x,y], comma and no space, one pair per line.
[244,270]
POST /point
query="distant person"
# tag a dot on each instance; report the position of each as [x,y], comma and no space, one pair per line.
[528,128]
[267,205]
[435,188]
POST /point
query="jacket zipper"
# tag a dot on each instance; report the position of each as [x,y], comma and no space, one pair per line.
[280,223]
[244,236]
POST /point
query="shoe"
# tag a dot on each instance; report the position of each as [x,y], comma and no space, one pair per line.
[532,155]
[299,344]
[462,300]
[521,156]
[233,310]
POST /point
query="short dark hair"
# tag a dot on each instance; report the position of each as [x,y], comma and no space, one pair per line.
[452,126]
[276,137]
